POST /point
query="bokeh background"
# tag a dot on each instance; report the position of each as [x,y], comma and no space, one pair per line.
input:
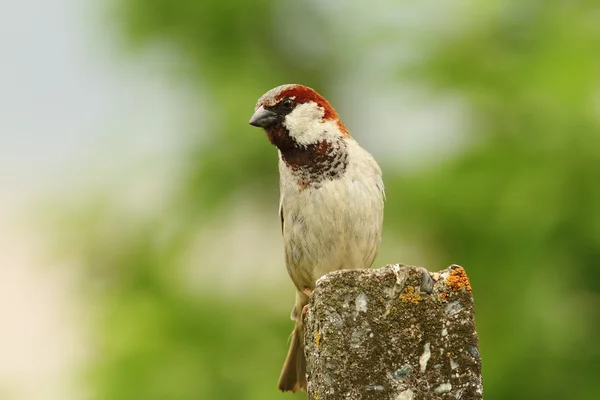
[140,252]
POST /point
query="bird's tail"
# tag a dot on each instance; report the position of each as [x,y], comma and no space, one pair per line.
[293,374]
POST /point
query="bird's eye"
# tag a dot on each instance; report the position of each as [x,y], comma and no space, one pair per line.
[287,104]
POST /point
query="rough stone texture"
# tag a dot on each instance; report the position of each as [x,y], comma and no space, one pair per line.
[396,333]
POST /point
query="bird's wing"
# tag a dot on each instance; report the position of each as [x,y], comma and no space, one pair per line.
[281,213]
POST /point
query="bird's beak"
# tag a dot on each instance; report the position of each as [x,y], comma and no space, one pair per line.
[263,117]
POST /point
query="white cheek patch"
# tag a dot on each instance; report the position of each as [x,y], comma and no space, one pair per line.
[306,125]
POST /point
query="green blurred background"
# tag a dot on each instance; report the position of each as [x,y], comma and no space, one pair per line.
[485,118]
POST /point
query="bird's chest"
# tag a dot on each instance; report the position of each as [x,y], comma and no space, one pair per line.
[325,224]
[310,166]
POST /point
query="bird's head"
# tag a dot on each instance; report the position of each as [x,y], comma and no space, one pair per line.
[296,116]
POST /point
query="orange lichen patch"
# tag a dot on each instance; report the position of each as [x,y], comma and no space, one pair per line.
[318,338]
[458,279]
[443,296]
[410,295]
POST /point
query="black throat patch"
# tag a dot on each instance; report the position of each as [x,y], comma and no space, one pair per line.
[326,159]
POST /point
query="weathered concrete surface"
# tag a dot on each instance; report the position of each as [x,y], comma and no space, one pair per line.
[396,333]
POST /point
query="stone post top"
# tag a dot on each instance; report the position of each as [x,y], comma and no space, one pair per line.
[397,332]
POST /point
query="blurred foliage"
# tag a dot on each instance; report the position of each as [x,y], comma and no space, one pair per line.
[518,208]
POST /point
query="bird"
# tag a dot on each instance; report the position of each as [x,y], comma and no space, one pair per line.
[331,200]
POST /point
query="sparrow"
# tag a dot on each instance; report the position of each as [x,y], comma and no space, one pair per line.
[331,200]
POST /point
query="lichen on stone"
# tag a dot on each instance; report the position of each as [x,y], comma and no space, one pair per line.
[360,334]
[457,279]
[410,295]
[405,395]
[443,388]
[406,345]
[402,372]
[453,308]
[424,359]
[361,303]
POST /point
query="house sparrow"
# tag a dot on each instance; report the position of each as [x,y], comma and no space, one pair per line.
[331,204]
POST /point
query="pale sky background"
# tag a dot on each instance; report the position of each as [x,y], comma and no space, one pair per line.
[76,110]
[67,99]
